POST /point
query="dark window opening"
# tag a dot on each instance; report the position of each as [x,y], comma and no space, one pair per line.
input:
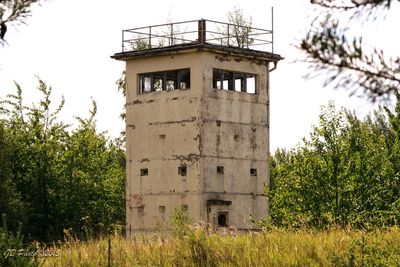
[182,170]
[164,81]
[236,137]
[222,219]
[161,209]
[162,136]
[234,81]
[144,172]
[220,169]
[253,172]
[185,208]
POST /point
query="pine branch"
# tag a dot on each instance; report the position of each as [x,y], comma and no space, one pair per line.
[18,10]
[347,64]
[364,9]
[351,4]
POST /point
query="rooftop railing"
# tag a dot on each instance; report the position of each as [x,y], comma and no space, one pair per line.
[197,32]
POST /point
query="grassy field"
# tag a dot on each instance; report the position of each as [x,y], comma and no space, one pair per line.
[273,248]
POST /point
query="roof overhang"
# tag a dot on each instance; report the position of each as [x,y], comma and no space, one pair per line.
[181,48]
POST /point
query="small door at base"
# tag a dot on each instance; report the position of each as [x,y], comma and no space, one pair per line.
[222,219]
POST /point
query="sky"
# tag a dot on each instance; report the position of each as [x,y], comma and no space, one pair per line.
[68,44]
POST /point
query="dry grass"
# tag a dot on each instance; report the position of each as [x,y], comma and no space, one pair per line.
[274,248]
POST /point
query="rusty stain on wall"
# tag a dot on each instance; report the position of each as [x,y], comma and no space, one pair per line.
[192,119]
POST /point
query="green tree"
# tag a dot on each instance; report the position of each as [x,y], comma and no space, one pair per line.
[334,50]
[36,140]
[63,179]
[345,173]
[10,199]
[92,187]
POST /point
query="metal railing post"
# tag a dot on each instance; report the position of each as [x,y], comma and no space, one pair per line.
[123,41]
[131,37]
[228,34]
[109,253]
[272,29]
[172,34]
[248,31]
[150,37]
[201,31]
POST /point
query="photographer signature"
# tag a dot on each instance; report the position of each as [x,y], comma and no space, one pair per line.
[30,253]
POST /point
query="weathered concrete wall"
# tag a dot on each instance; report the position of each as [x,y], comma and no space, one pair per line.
[153,217]
[162,134]
[201,128]
[235,134]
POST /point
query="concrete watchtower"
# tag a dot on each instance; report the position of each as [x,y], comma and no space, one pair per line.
[197,123]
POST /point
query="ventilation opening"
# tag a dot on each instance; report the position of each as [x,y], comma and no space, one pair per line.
[184,208]
[182,170]
[222,219]
[161,209]
[236,137]
[220,169]
[253,172]
[161,136]
[144,172]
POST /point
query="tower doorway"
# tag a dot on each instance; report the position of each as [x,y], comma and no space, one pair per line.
[222,219]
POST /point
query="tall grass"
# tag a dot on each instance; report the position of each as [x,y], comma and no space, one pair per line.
[274,248]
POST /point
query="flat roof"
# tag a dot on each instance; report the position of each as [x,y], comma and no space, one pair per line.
[196,46]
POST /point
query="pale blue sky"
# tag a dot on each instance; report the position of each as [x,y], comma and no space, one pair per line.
[68,43]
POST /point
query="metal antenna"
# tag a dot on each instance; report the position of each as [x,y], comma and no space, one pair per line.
[272,26]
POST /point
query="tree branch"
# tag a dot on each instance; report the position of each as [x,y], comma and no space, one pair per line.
[346,64]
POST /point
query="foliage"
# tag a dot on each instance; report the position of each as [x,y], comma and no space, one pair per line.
[180,222]
[60,178]
[346,173]
[121,86]
[10,199]
[334,50]
[95,168]
[11,246]
[140,44]
[240,28]
[121,83]
[274,248]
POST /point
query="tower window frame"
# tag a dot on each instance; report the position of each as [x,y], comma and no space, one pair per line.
[161,81]
[235,81]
